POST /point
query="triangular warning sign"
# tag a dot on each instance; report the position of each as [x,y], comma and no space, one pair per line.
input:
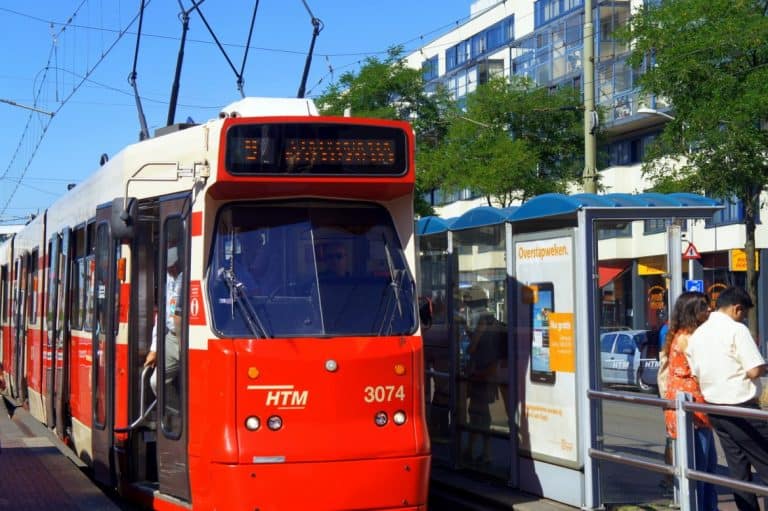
[691,252]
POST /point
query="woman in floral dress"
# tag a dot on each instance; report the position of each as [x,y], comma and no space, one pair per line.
[691,310]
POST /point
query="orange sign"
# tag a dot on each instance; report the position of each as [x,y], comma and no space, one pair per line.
[713,292]
[656,297]
[737,260]
[562,349]
[196,304]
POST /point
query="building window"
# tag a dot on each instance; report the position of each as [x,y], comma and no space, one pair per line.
[429,69]
[630,151]
[488,69]
[612,17]
[545,11]
[551,53]
[618,230]
[732,213]
[490,39]
[450,58]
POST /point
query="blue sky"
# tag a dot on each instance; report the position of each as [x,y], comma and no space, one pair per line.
[98,115]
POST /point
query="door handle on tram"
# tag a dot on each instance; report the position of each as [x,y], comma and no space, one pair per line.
[145,374]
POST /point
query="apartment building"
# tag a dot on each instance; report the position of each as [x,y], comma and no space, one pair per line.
[543,40]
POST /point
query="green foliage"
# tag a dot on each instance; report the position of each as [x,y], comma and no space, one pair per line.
[710,60]
[388,89]
[513,142]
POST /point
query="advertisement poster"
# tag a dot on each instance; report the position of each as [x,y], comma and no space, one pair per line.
[546,347]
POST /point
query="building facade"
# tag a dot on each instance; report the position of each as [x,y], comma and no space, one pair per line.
[543,40]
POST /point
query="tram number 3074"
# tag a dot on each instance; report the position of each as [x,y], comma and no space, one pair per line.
[384,393]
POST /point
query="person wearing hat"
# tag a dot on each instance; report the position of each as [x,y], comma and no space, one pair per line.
[172,321]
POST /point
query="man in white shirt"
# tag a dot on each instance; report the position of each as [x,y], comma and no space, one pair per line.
[727,364]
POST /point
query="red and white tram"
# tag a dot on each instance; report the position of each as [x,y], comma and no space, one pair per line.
[275,247]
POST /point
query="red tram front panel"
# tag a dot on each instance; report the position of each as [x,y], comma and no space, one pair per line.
[328,451]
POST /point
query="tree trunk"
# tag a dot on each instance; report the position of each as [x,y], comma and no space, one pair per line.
[749,247]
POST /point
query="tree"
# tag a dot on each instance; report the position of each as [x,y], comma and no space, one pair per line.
[388,89]
[514,141]
[709,59]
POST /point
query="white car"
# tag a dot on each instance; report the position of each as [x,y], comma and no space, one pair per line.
[630,357]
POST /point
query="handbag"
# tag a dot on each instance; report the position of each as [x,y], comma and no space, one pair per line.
[663,375]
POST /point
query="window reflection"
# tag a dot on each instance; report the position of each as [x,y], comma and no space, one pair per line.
[309,268]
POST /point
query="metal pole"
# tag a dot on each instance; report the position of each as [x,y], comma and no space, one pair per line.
[590,115]
[684,454]
[34,109]
[674,265]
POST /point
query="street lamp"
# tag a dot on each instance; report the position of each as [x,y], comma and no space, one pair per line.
[653,111]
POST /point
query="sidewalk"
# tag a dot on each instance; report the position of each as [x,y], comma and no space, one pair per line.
[488,494]
[35,475]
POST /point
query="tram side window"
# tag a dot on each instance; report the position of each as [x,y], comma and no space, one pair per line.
[17,292]
[175,297]
[100,352]
[78,281]
[63,278]
[32,287]
[4,293]
[90,279]
[53,283]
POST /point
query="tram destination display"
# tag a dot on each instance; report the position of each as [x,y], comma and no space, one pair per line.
[316,148]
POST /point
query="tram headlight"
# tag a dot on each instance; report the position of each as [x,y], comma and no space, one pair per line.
[381,419]
[399,417]
[252,423]
[275,422]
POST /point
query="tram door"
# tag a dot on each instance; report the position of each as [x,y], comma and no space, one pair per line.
[19,330]
[144,264]
[49,357]
[61,354]
[104,330]
[173,276]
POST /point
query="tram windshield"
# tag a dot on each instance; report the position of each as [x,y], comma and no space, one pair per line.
[309,268]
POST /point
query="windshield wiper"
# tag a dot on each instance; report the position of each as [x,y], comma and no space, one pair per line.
[237,290]
[395,277]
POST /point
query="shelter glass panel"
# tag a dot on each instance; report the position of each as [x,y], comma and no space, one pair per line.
[435,275]
[481,330]
[631,289]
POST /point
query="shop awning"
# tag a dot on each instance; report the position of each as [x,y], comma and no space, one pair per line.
[608,271]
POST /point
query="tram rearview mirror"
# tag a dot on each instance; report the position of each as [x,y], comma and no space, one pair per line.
[123,217]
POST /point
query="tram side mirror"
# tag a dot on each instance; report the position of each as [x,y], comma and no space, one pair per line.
[123,219]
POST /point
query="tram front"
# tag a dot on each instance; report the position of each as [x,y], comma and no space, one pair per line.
[316,364]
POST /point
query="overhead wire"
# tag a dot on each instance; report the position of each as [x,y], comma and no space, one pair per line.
[64,101]
[331,68]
